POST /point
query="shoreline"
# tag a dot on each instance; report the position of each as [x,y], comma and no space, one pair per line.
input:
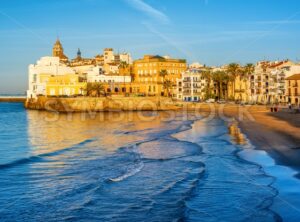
[276,133]
[13,99]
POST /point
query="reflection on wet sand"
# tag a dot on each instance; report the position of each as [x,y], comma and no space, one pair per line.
[235,133]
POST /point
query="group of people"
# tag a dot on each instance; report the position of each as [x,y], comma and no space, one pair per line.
[294,108]
[291,107]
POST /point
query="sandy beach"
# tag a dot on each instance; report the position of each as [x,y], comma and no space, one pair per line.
[277,133]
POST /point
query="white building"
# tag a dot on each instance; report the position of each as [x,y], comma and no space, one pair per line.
[97,74]
[191,87]
[46,65]
[110,57]
[196,65]
[267,84]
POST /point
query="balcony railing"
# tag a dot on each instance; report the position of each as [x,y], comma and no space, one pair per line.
[293,94]
[239,91]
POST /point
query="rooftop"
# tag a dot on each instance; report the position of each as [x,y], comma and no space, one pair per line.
[294,77]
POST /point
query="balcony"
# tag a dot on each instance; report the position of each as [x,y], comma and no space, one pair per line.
[293,94]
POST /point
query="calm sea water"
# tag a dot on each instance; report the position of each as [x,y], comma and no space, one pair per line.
[130,167]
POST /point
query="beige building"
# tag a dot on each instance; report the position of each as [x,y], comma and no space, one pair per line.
[147,72]
[293,89]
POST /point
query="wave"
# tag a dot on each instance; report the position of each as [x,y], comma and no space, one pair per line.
[192,203]
[41,157]
[21,161]
[129,173]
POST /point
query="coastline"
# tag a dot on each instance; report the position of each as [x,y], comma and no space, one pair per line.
[13,99]
[276,133]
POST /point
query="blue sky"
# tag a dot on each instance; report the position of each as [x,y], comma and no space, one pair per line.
[212,32]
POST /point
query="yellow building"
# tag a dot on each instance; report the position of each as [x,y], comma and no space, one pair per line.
[63,85]
[147,73]
[293,89]
[241,87]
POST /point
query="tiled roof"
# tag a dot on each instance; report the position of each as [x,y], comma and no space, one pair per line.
[294,77]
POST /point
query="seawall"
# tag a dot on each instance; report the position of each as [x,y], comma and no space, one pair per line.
[13,99]
[100,104]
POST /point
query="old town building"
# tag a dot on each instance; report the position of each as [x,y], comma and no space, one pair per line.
[152,71]
[58,51]
[293,89]
[50,77]
[192,85]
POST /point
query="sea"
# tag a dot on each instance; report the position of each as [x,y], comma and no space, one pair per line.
[136,166]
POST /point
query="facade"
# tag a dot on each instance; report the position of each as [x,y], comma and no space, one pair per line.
[147,72]
[97,74]
[110,57]
[64,85]
[191,86]
[46,66]
[293,89]
[111,68]
[241,89]
[267,84]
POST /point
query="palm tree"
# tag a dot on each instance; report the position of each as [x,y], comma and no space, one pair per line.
[233,70]
[163,73]
[247,72]
[95,88]
[89,89]
[124,67]
[221,79]
[207,75]
[167,85]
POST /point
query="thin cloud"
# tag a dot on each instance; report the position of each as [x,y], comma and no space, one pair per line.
[277,22]
[149,10]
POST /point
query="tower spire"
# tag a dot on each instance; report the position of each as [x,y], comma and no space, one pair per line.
[58,51]
[78,53]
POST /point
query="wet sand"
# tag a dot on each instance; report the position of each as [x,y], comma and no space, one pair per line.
[276,133]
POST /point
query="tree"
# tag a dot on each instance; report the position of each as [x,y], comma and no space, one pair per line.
[207,75]
[221,79]
[124,67]
[163,73]
[167,85]
[248,70]
[95,89]
[233,70]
